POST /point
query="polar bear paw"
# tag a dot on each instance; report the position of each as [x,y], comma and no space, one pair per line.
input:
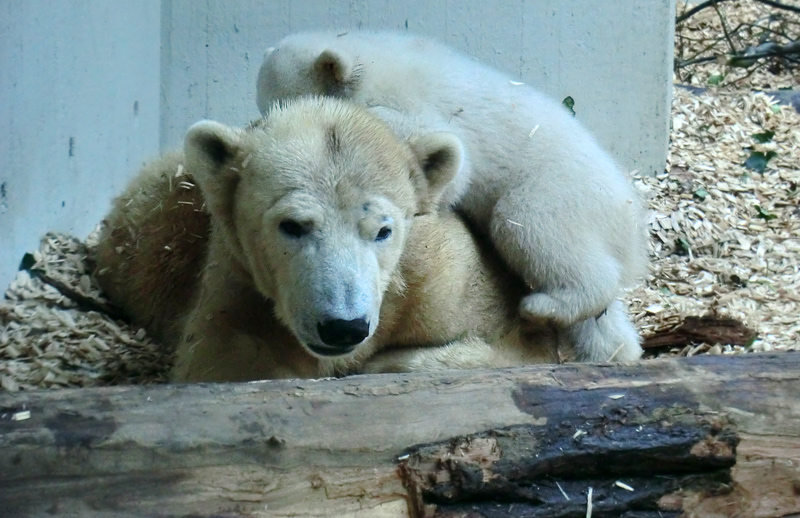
[537,306]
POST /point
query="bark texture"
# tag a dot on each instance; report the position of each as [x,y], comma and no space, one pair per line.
[706,437]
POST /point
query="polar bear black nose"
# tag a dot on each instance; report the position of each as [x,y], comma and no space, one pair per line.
[343,333]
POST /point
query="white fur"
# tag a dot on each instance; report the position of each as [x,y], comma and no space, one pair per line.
[557,208]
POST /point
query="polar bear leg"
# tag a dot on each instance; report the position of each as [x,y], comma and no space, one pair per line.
[216,351]
[232,334]
[562,256]
[608,337]
[469,353]
[463,354]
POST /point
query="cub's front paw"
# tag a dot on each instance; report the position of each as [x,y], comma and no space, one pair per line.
[541,306]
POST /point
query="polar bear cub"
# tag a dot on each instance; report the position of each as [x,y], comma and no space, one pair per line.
[308,245]
[554,204]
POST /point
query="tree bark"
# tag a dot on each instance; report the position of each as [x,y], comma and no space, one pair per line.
[708,436]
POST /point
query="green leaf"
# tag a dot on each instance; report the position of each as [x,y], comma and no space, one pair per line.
[682,246]
[569,104]
[665,291]
[776,108]
[763,138]
[741,62]
[27,262]
[757,161]
[701,194]
[764,214]
[715,79]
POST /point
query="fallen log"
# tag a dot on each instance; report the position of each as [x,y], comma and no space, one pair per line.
[708,436]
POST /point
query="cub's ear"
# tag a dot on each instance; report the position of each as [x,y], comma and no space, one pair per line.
[210,148]
[439,156]
[333,69]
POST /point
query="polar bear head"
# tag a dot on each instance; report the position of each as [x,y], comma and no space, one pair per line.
[303,64]
[315,202]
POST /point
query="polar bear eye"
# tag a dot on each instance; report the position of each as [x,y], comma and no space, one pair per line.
[293,228]
[383,234]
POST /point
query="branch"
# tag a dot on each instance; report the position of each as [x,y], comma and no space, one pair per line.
[83,302]
[696,9]
[699,7]
[725,30]
[778,5]
[768,50]
[688,62]
[788,51]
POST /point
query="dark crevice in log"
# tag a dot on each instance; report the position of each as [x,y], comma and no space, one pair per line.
[525,511]
[116,495]
[652,442]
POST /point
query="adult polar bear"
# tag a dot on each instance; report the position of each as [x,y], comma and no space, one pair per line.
[556,207]
[321,253]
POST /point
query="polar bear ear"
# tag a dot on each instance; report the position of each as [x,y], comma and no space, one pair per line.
[333,69]
[210,148]
[439,156]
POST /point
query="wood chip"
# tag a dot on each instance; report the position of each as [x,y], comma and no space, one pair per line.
[589,503]
[23,415]
[623,485]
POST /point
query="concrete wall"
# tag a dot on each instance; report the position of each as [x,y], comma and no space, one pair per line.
[89,89]
[79,111]
[613,57]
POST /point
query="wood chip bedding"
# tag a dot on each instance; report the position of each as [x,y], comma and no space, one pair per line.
[48,340]
[725,241]
[748,24]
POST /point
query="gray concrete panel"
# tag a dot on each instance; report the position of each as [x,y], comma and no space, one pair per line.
[613,57]
[79,86]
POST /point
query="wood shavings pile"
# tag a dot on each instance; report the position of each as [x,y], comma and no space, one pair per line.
[725,240]
[48,341]
[747,23]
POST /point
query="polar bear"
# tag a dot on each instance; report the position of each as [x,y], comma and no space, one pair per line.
[554,204]
[309,244]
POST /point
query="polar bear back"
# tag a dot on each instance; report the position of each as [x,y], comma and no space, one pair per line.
[432,87]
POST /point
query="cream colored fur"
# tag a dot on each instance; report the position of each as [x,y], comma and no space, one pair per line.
[553,203]
[241,299]
[153,246]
